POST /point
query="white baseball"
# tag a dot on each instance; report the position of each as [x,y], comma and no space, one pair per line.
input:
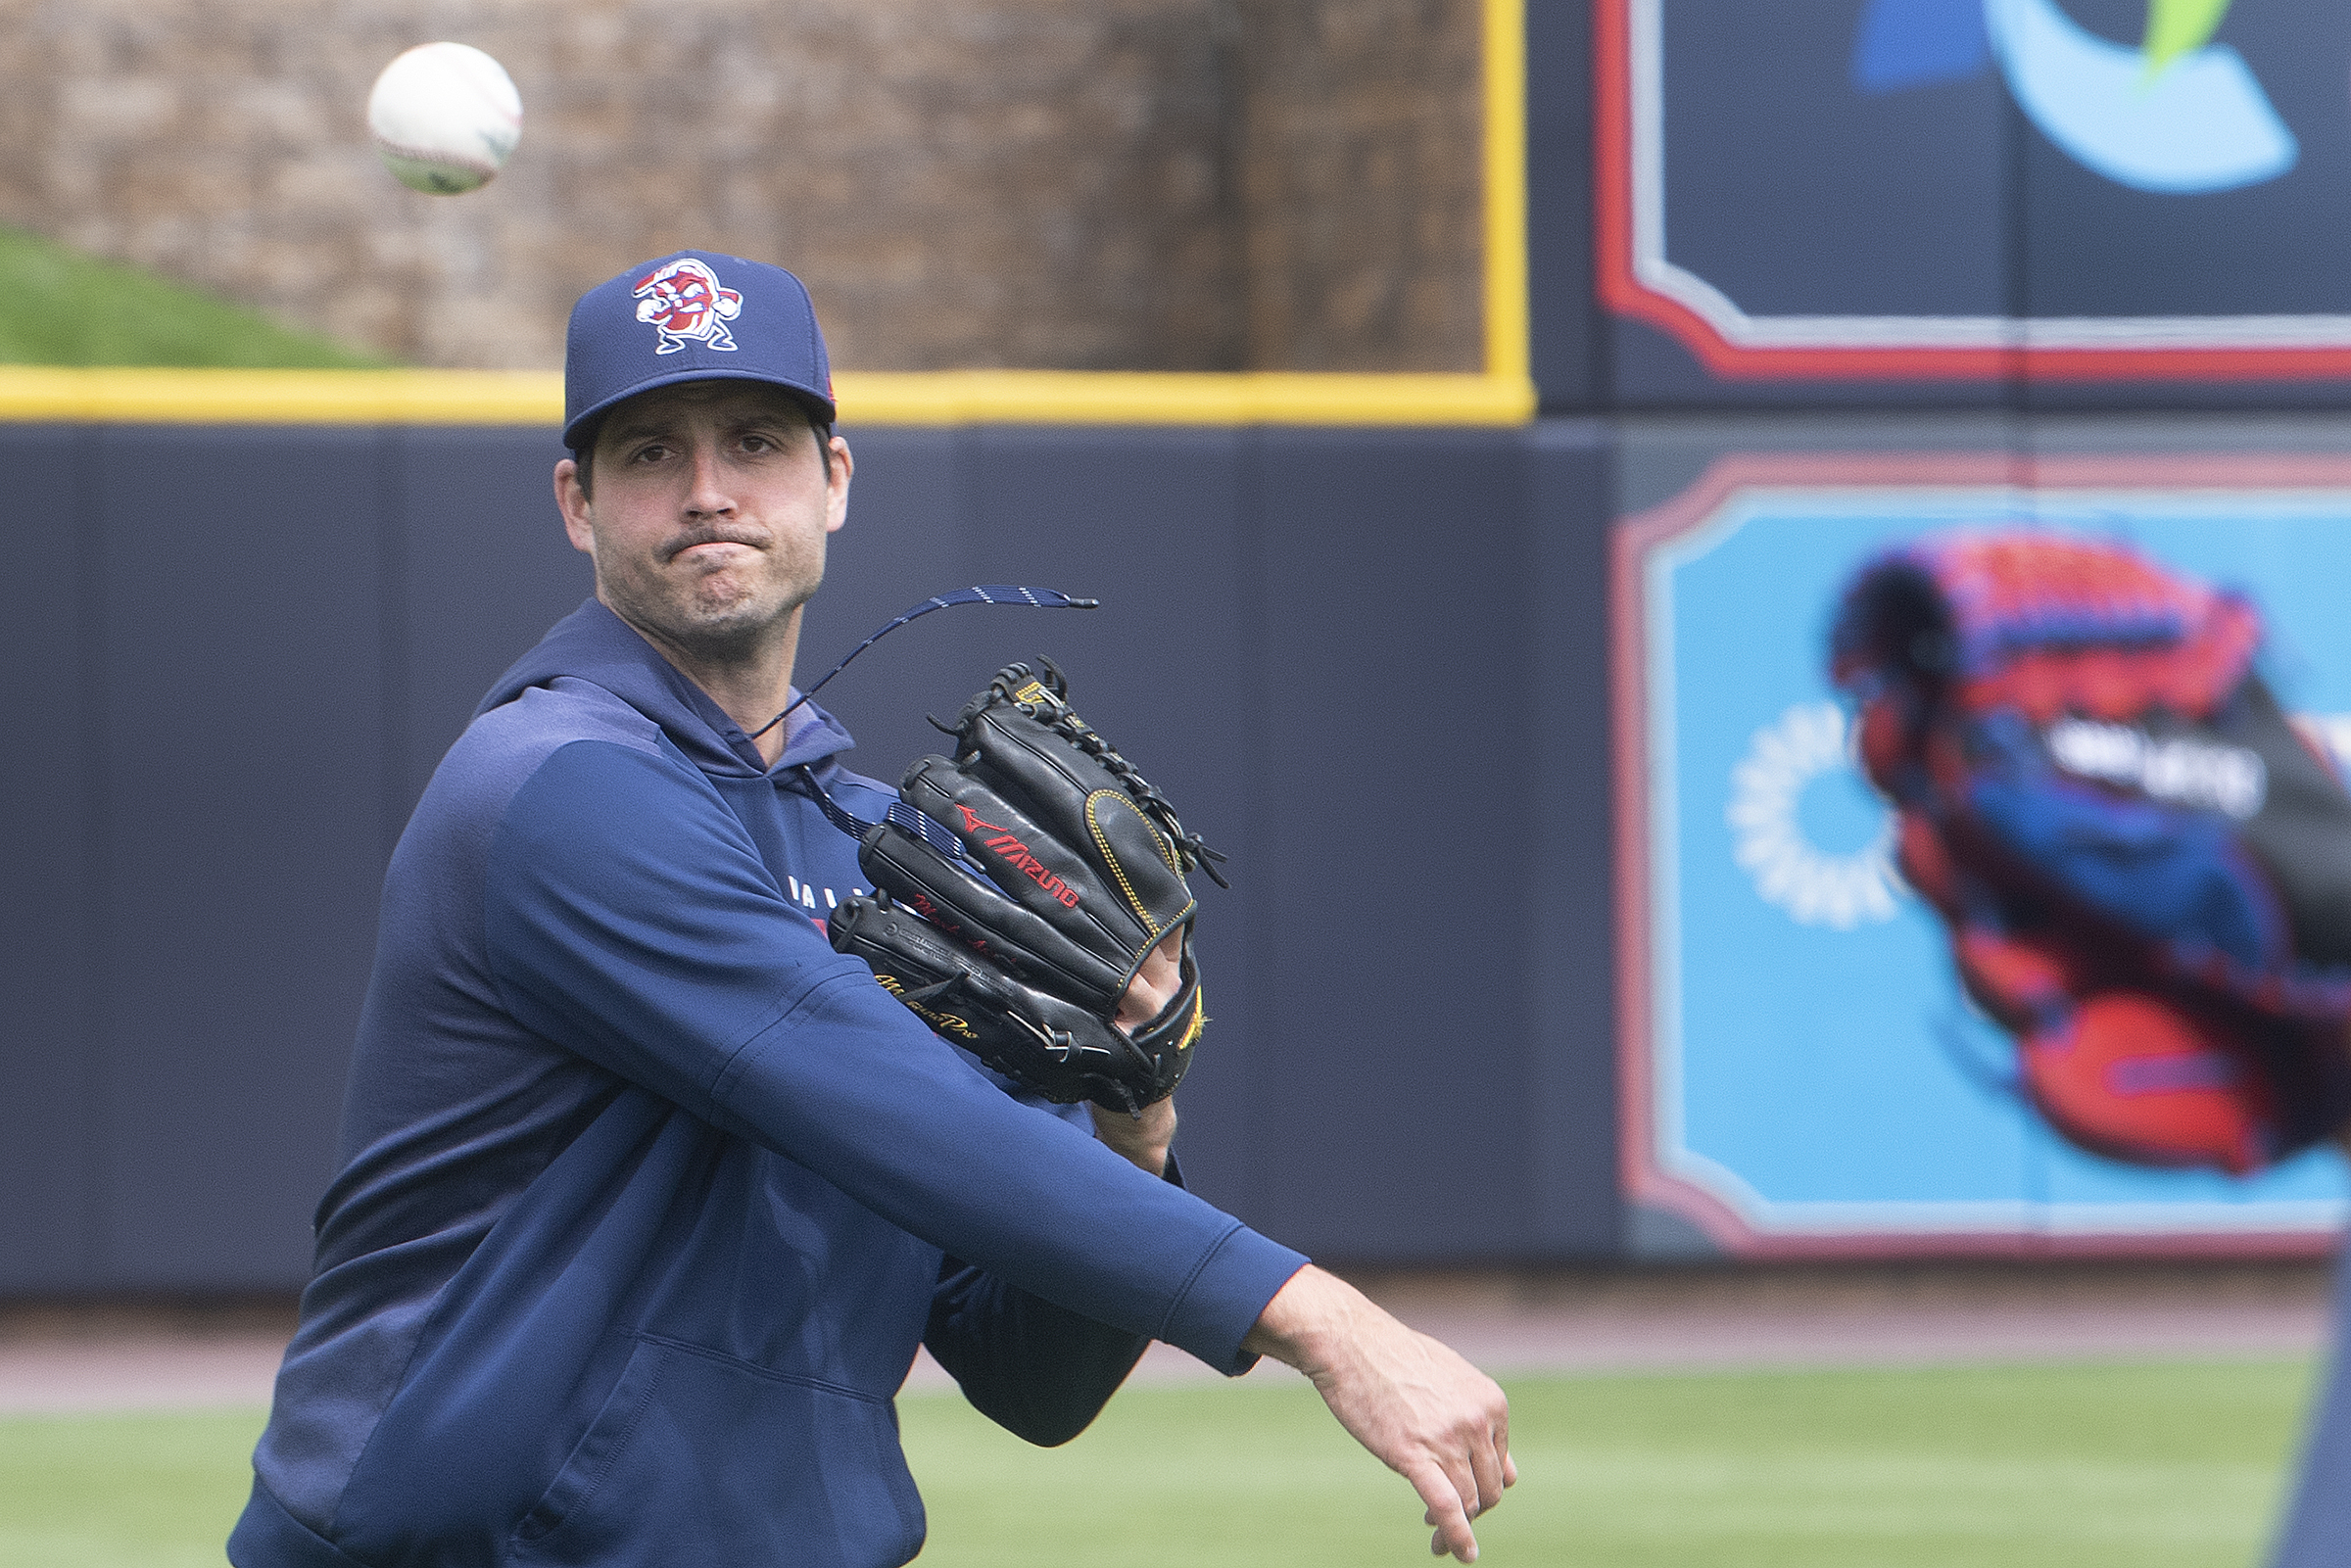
[445,117]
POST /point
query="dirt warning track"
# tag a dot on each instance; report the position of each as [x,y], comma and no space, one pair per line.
[64,1356]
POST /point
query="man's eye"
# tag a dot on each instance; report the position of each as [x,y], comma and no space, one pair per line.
[652,453]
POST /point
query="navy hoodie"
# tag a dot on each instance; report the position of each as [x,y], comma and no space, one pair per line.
[647,1195]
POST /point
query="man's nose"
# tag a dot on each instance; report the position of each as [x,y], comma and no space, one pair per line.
[708,495]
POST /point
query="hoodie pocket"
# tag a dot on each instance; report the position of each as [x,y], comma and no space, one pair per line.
[699,1458]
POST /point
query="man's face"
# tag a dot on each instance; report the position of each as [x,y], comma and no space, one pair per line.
[709,512]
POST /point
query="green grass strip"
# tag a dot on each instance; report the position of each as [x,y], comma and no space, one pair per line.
[2127,1465]
[2086,1466]
[146,1490]
[58,307]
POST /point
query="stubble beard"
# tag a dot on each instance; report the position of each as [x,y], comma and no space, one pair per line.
[715,618]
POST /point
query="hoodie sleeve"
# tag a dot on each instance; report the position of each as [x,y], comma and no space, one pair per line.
[628,915]
[1040,1371]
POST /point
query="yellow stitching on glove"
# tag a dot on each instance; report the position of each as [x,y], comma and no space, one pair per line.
[1111,859]
[1199,1018]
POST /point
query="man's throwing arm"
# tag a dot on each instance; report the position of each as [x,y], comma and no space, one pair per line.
[629,915]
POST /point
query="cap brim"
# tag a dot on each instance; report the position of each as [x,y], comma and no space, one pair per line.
[817,401]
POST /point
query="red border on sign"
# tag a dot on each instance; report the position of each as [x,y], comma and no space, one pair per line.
[1643,1179]
[1622,292]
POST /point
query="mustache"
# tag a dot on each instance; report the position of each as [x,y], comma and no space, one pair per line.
[755,539]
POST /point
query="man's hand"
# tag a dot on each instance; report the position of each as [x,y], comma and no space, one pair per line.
[1154,985]
[1145,1139]
[1423,1412]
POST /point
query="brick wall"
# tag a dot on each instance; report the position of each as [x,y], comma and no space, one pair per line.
[1358,168]
[1146,184]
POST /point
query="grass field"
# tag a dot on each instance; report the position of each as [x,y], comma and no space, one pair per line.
[2154,1466]
[60,308]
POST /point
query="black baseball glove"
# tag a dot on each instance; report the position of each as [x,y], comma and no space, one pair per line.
[1071,872]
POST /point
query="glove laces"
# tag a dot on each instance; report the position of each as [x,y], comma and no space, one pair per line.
[903,815]
[1055,714]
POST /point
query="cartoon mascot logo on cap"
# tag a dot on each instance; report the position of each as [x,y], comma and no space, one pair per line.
[685,300]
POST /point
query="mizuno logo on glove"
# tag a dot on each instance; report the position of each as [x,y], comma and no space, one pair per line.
[1016,854]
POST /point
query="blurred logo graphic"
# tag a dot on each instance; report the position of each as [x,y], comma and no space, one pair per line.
[2177,116]
[686,303]
[2179,771]
[1806,745]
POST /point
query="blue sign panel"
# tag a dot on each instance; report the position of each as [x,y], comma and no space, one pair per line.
[1980,189]
[1802,1070]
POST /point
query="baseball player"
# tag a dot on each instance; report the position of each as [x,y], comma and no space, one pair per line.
[647,1195]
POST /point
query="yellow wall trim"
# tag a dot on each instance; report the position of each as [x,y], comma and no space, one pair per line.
[66,396]
[1508,356]
[61,395]
[1113,398]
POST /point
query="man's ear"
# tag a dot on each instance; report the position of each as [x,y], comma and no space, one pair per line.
[572,500]
[837,486]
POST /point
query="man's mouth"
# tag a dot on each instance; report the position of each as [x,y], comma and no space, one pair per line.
[686,548]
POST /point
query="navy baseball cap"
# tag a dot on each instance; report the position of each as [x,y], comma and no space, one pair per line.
[692,316]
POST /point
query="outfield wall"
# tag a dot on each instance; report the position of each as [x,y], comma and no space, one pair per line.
[1546,1014]
[1502,976]
[1363,662]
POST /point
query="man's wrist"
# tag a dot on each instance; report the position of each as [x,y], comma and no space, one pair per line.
[1142,1140]
[1302,1322]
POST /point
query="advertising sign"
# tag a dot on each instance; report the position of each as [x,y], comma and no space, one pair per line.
[2062,189]
[1800,1071]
